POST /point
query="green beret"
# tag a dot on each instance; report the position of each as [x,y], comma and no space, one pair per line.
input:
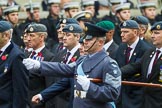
[108,25]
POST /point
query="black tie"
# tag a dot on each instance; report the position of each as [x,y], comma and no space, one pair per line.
[156,57]
[66,57]
[128,54]
[1,52]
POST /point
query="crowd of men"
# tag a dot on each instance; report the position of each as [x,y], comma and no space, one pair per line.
[73,59]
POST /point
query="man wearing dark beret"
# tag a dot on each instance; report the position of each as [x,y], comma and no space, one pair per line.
[13,74]
[97,64]
[150,67]
[36,36]
[70,41]
[130,50]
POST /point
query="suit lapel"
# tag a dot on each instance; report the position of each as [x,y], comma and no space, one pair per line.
[75,56]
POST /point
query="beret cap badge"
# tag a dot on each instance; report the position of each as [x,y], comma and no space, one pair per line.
[158,26]
[124,23]
[87,15]
[86,28]
[71,28]
[64,21]
[31,29]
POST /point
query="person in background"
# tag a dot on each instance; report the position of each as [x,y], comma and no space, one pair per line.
[12,15]
[89,5]
[122,12]
[148,9]
[71,8]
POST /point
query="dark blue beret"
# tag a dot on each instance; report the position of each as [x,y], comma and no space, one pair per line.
[157,26]
[67,21]
[72,28]
[34,27]
[92,30]
[131,24]
[141,20]
[4,26]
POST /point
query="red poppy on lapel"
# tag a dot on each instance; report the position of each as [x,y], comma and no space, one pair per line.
[73,59]
[40,54]
[4,57]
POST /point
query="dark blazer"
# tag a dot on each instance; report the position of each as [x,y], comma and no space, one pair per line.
[37,83]
[131,95]
[63,89]
[112,50]
[13,79]
[151,96]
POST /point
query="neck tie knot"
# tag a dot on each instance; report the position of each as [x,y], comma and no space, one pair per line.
[156,56]
[1,52]
[128,54]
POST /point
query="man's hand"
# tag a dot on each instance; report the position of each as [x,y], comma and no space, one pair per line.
[36,99]
[31,64]
[84,82]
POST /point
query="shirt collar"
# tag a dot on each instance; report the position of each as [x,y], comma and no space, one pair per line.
[107,45]
[5,47]
[133,46]
[39,49]
[74,49]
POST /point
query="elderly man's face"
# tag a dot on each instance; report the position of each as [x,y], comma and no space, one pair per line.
[91,45]
[35,40]
[157,38]
[128,35]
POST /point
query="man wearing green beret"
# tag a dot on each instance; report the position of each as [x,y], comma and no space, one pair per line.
[110,46]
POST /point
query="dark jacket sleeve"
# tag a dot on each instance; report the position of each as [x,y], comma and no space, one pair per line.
[55,89]
[20,83]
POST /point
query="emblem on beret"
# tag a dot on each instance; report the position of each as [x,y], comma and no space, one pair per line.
[87,15]
[86,29]
[124,23]
[31,29]
[64,21]
[71,28]
[158,26]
